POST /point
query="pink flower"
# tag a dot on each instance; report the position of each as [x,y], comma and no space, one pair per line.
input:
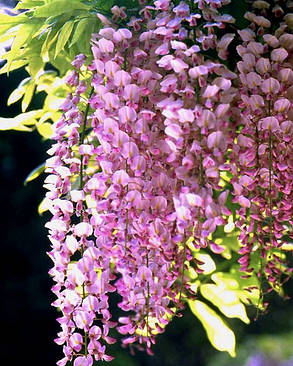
[263,65]
[244,202]
[122,34]
[144,274]
[83,229]
[270,86]
[282,105]
[253,80]
[129,150]
[269,123]
[217,140]
[194,200]
[83,361]
[120,177]
[122,78]
[105,46]
[131,93]
[76,341]
[174,130]
[159,203]
[127,114]
[211,91]
[178,65]
[279,54]
[198,71]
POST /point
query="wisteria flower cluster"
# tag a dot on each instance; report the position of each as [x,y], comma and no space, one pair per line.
[156,137]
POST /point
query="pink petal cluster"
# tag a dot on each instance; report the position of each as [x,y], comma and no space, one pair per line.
[262,154]
[137,167]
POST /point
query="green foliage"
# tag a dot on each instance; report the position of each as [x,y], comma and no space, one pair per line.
[47,34]
[35,173]
[219,334]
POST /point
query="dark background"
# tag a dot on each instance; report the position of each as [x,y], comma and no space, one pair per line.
[28,324]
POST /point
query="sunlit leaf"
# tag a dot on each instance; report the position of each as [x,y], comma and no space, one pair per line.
[59,7]
[18,93]
[13,66]
[28,4]
[226,300]
[45,129]
[28,95]
[247,289]
[49,41]
[219,334]
[8,19]
[35,65]
[23,37]
[287,246]
[44,206]
[63,36]
[79,30]
[208,266]
[35,173]
[45,80]
[20,122]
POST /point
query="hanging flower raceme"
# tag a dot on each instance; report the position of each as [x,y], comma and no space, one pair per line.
[263,151]
[135,178]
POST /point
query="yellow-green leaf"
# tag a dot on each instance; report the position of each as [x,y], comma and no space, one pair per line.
[59,7]
[28,95]
[233,281]
[44,206]
[219,334]
[15,95]
[208,265]
[12,124]
[8,19]
[45,129]
[19,91]
[35,65]
[287,246]
[28,4]
[21,121]
[35,173]
[50,39]
[13,66]
[227,301]
[63,36]
[23,36]
[79,30]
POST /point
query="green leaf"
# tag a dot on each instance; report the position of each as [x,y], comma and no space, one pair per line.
[28,95]
[13,20]
[20,122]
[45,129]
[219,334]
[59,7]
[226,300]
[18,92]
[50,39]
[79,31]
[63,36]
[24,35]
[247,289]
[34,173]
[45,80]
[35,65]
[28,4]
[44,206]
[208,265]
[13,66]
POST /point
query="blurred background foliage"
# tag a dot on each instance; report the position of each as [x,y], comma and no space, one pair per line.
[29,321]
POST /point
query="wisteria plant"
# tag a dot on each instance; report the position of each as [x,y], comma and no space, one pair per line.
[170,176]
